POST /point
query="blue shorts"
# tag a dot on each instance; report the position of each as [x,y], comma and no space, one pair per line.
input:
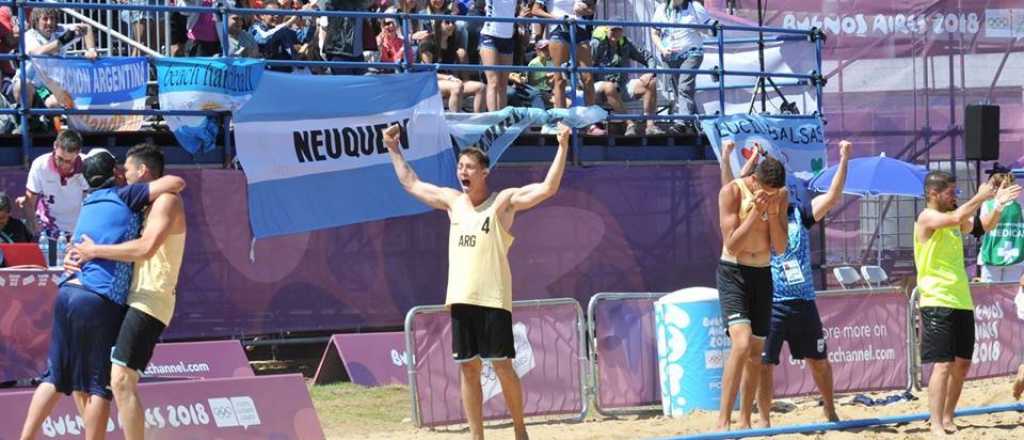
[560,33]
[85,328]
[504,46]
[798,324]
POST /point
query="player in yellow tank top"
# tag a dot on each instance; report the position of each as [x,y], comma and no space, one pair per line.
[947,311]
[157,257]
[479,279]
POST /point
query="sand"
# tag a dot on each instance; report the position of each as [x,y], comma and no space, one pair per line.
[800,411]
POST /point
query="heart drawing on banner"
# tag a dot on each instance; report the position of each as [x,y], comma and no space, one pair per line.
[817,164]
[747,152]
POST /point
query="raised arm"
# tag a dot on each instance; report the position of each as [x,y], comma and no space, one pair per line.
[930,219]
[164,185]
[1005,195]
[725,164]
[435,196]
[165,211]
[528,196]
[821,205]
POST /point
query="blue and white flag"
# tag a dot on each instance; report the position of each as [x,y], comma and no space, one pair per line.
[106,83]
[799,143]
[313,152]
[494,132]
[215,84]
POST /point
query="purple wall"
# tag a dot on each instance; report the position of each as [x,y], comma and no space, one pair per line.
[610,228]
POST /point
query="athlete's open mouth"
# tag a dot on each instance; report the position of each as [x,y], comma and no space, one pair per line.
[465,182]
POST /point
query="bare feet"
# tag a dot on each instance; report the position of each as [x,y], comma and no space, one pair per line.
[522,435]
[949,426]
[1018,384]
[830,415]
[937,430]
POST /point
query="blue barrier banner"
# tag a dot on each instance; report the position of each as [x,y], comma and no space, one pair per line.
[313,150]
[216,84]
[106,83]
[799,143]
[494,132]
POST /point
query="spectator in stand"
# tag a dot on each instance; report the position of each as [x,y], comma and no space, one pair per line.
[46,37]
[343,36]
[275,36]
[242,42]
[496,48]
[537,84]
[560,38]
[611,48]
[391,44]
[55,186]
[372,29]
[444,33]
[201,30]
[141,25]
[474,8]
[451,86]
[8,43]
[681,48]
[12,230]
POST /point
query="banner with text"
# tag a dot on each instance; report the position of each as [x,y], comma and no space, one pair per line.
[313,162]
[105,83]
[265,407]
[210,84]
[799,143]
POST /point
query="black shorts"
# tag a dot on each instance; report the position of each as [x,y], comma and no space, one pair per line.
[136,341]
[948,333]
[482,332]
[798,324]
[745,295]
[179,28]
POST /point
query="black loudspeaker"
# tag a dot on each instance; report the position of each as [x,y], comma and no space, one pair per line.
[981,132]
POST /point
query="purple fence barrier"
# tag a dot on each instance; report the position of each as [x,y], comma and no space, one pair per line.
[265,407]
[209,360]
[998,333]
[26,314]
[624,355]
[866,333]
[549,361]
[370,359]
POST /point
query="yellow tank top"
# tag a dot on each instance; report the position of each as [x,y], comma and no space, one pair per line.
[154,280]
[941,276]
[478,270]
[746,199]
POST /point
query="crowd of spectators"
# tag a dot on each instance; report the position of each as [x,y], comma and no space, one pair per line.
[450,41]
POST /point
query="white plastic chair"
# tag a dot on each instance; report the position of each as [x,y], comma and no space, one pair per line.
[874,276]
[846,275]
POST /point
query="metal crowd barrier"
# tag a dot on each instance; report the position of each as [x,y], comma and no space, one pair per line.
[106,15]
[550,359]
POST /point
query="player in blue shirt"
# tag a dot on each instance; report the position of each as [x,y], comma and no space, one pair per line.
[91,304]
[795,317]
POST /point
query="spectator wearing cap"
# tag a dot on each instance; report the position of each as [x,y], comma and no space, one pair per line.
[55,186]
[611,48]
[537,83]
[681,48]
[12,230]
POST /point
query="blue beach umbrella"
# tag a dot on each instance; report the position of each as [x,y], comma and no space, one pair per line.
[876,176]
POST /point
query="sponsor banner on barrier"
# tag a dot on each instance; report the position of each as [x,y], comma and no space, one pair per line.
[547,362]
[798,143]
[237,408]
[214,84]
[369,359]
[866,337]
[26,315]
[998,333]
[211,359]
[117,83]
[627,358]
[313,162]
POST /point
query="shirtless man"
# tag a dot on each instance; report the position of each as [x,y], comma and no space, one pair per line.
[479,293]
[752,213]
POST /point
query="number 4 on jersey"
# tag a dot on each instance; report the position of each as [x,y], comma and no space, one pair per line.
[487,226]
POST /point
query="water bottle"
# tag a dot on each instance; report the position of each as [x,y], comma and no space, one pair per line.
[44,246]
[62,246]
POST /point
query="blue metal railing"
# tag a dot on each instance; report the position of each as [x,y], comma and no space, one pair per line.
[407,64]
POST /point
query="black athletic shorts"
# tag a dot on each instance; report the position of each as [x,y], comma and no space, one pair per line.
[136,341]
[482,332]
[948,333]
[745,295]
[798,324]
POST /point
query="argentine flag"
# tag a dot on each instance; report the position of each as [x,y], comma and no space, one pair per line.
[314,156]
